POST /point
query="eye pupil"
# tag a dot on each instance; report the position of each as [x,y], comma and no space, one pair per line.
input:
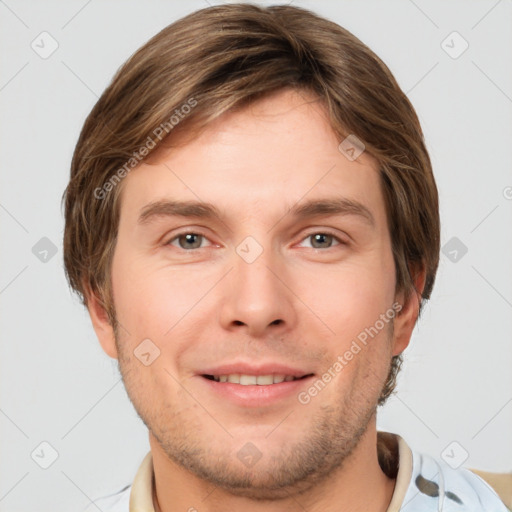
[189,239]
[321,238]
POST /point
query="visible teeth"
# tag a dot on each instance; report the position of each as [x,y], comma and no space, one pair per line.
[264,380]
[247,380]
[252,380]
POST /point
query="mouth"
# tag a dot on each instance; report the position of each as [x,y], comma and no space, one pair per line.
[248,386]
[254,380]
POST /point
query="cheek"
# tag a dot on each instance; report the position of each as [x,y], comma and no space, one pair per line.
[351,302]
[143,299]
[348,298]
[156,302]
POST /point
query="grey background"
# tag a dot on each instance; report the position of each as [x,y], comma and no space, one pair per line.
[57,386]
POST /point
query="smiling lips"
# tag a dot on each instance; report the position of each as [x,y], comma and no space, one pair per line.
[251,380]
[248,386]
[249,375]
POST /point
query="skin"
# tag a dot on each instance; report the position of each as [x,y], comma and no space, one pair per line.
[204,306]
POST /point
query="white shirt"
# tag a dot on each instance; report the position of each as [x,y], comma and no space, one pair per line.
[423,484]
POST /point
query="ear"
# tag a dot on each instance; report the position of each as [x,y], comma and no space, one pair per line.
[405,320]
[100,322]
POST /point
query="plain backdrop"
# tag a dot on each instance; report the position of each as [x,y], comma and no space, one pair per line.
[60,389]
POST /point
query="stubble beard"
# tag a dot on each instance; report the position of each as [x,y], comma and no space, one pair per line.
[292,469]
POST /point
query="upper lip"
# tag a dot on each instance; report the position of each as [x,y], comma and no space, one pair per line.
[252,369]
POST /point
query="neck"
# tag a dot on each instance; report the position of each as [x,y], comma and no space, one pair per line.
[358,485]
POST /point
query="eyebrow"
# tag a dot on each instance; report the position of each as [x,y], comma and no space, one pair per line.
[202,210]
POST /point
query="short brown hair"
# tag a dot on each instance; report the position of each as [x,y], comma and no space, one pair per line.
[225,57]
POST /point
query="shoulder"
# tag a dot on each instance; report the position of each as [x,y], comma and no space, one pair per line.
[435,482]
[116,502]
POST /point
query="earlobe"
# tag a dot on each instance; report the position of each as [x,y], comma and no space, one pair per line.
[405,320]
[101,323]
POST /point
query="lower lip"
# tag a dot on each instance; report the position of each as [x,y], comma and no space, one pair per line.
[254,395]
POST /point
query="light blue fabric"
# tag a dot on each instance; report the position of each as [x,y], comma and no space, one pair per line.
[436,487]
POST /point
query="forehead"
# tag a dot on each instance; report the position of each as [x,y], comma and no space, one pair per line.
[259,159]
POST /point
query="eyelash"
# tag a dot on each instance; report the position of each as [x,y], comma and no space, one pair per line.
[327,232]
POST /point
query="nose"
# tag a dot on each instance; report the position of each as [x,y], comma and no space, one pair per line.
[256,296]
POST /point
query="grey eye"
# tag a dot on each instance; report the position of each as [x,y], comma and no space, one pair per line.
[190,240]
[322,240]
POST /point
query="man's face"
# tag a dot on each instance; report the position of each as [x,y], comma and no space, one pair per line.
[256,290]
